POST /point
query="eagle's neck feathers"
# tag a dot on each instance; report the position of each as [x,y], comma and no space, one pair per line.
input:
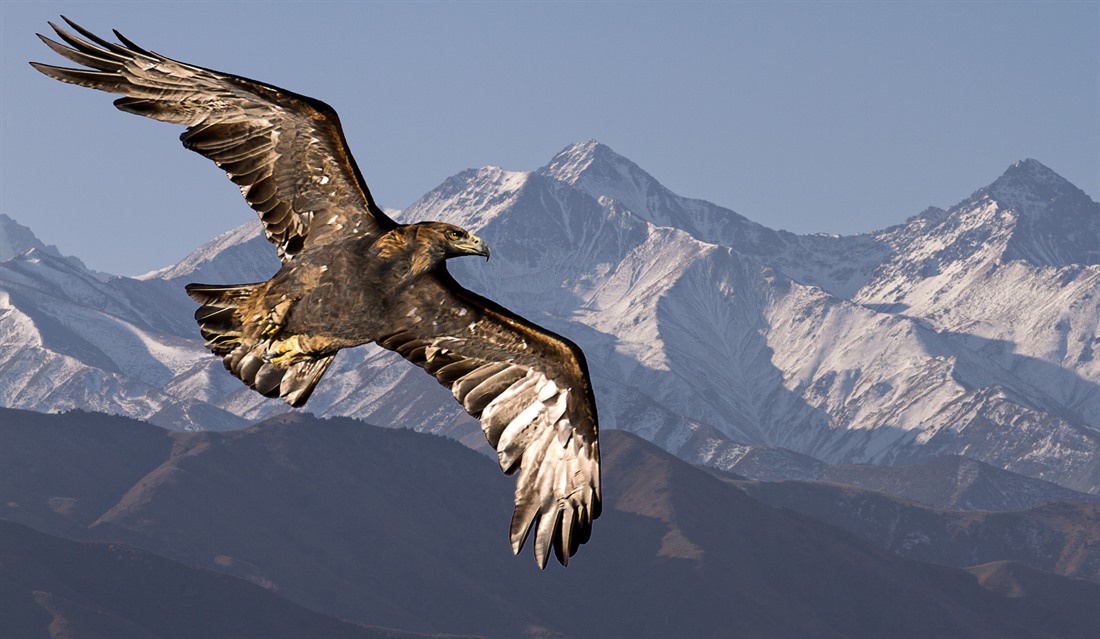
[420,247]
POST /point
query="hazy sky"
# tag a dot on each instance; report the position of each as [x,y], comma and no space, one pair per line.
[810,117]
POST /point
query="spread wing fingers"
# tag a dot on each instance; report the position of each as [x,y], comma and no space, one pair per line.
[529,387]
[285,151]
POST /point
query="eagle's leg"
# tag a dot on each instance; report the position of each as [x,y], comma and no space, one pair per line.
[284,352]
[274,321]
[289,368]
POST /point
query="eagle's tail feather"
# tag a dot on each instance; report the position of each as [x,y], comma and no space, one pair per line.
[293,381]
[287,367]
[299,380]
[218,320]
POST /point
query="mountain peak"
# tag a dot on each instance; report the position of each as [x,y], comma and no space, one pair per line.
[1034,170]
[1030,187]
[579,159]
[238,255]
[1057,223]
[16,239]
[469,199]
[593,167]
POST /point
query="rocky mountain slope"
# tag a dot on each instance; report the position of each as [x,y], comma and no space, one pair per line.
[53,587]
[951,482]
[967,331]
[1056,537]
[401,529]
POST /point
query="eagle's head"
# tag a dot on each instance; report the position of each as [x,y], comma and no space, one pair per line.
[427,244]
[457,241]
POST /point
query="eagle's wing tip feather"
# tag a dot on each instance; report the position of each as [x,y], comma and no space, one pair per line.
[153,86]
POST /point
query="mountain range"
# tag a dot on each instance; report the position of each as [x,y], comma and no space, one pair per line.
[1053,537]
[55,587]
[966,331]
[332,527]
[900,429]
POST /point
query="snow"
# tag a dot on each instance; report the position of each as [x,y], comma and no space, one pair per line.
[970,329]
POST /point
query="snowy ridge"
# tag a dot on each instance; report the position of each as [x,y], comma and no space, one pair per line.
[969,330]
[73,341]
[1031,188]
[237,256]
[16,239]
[595,169]
[837,264]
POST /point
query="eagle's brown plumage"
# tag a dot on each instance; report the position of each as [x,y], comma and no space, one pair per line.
[352,276]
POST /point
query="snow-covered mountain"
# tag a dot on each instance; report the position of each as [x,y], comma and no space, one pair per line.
[971,330]
[71,340]
[16,238]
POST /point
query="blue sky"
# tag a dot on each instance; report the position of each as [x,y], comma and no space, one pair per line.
[810,117]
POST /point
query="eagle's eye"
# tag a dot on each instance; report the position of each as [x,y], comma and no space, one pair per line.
[454,235]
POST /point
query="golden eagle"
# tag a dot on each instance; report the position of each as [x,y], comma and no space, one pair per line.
[350,275]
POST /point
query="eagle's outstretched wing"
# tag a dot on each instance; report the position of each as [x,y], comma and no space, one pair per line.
[286,151]
[529,387]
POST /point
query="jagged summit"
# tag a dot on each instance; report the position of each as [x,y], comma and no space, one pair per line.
[930,215]
[601,172]
[1056,223]
[251,259]
[1030,174]
[469,199]
[575,161]
[595,169]
[1031,188]
[16,239]
[1030,214]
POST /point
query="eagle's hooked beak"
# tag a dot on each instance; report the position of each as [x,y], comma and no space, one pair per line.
[473,245]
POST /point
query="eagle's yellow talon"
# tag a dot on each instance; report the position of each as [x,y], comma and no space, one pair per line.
[284,351]
[281,359]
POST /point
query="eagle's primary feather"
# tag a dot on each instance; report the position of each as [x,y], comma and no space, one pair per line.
[351,276]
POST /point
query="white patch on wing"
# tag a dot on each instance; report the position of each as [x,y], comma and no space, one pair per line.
[558,471]
[547,388]
[542,405]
